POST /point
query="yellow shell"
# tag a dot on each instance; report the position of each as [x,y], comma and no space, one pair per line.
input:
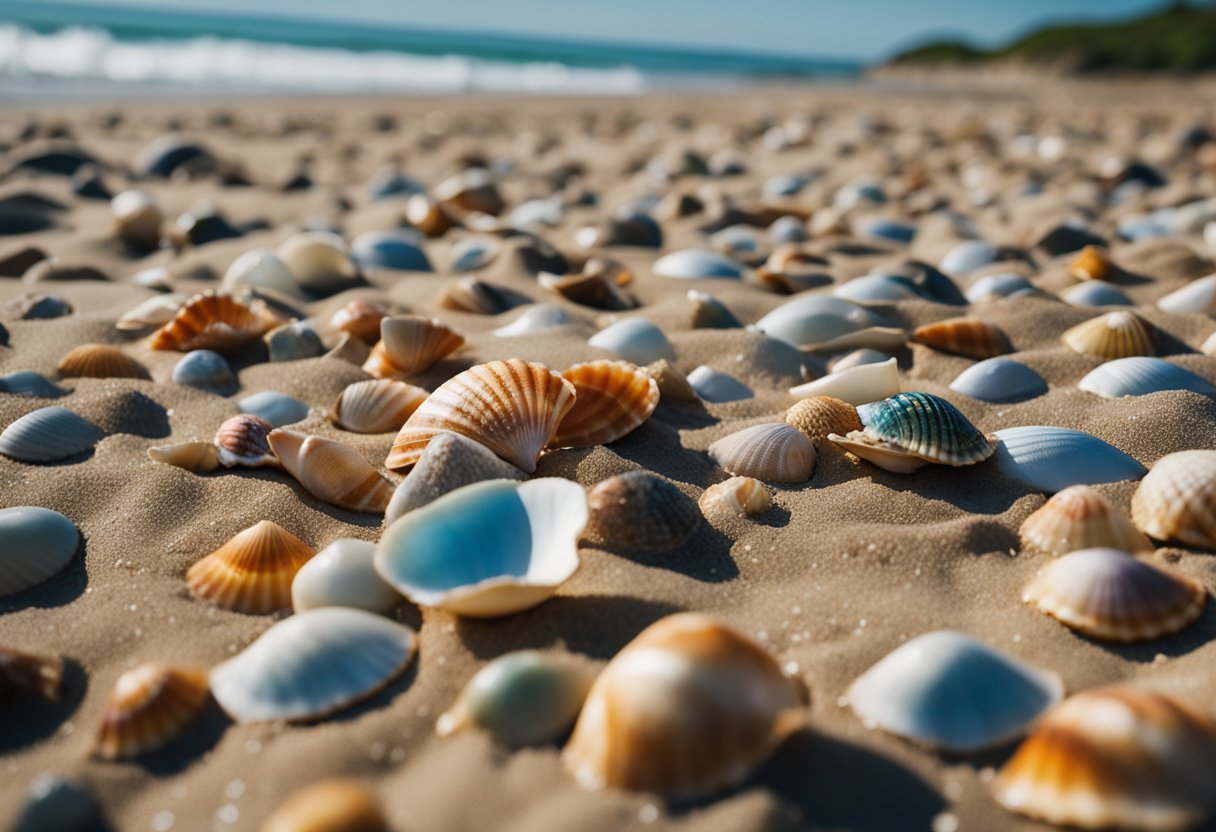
[100,361]
[331,471]
[212,321]
[376,406]
[253,571]
[773,453]
[1113,335]
[1092,263]
[967,337]
[360,318]
[1176,500]
[1080,518]
[612,398]
[329,806]
[686,709]
[512,407]
[736,497]
[29,674]
[820,415]
[148,708]
[414,344]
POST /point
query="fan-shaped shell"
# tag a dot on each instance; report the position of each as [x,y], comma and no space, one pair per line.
[196,457]
[342,575]
[541,317]
[205,370]
[692,263]
[951,692]
[23,675]
[639,511]
[361,318]
[1092,263]
[450,461]
[512,407]
[612,398]
[717,387]
[376,406]
[319,260]
[1113,335]
[252,572]
[819,416]
[1177,500]
[1080,518]
[903,432]
[968,337]
[636,340]
[49,435]
[488,549]
[277,408]
[148,708]
[334,805]
[35,543]
[686,709]
[857,385]
[999,380]
[1094,293]
[216,322]
[735,497]
[29,383]
[819,322]
[1114,758]
[100,361]
[414,344]
[1140,376]
[241,440]
[773,453]
[1050,459]
[261,269]
[331,471]
[1195,298]
[312,665]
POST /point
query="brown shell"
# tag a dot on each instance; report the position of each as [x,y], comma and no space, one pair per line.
[640,512]
[332,471]
[428,216]
[596,286]
[473,296]
[241,440]
[612,399]
[1080,518]
[361,318]
[820,415]
[214,321]
[148,708]
[968,337]
[376,406]
[329,806]
[252,572]
[673,386]
[23,675]
[1092,263]
[100,361]
[378,365]
[414,344]
[1113,335]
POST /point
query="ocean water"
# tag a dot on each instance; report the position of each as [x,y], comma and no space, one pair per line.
[48,48]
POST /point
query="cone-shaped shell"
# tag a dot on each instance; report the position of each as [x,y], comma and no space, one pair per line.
[196,457]
[710,313]
[1108,594]
[100,361]
[148,708]
[342,575]
[1092,263]
[23,675]
[639,511]
[857,385]
[1114,758]
[414,344]
[1049,459]
[241,440]
[331,471]
[1177,500]
[49,435]
[735,497]
[820,415]
[1080,518]
[968,337]
[212,321]
[252,572]
[511,407]
[612,398]
[1113,335]
[35,543]
[772,452]
[450,461]
[1140,376]
[313,664]
[376,406]
[686,709]
[361,318]
[329,806]
[905,431]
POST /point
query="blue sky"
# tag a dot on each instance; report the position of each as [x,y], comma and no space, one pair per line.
[864,29]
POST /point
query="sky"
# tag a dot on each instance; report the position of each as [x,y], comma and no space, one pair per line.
[856,29]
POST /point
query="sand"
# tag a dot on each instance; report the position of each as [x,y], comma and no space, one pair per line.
[842,570]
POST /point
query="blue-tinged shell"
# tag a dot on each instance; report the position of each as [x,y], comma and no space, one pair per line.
[473,253]
[999,379]
[1051,459]
[49,435]
[278,409]
[35,543]
[786,184]
[1142,227]
[294,342]
[1141,375]
[967,257]
[390,183]
[713,386]
[695,263]
[400,249]
[925,426]
[636,340]
[29,383]
[884,228]
[736,239]
[992,286]
[788,229]
[877,288]
[829,323]
[537,212]
[1094,293]
[205,370]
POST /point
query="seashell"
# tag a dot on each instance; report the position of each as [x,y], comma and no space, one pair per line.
[24,675]
[612,399]
[1113,335]
[261,269]
[49,435]
[391,182]
[100,361]
[29,383]
[773,453]
[294,341]
[334,805]
[169,152]
[473,190]
[197,457]
[887,228]
[241,441]
[672,385]
[994,286]
[686,709]
[819,322]
[399,249]
[137,219]
[968,337]
[414,344]
[950,692]
[473,253]
[488,549]
[713,386]
[1051,459]
[320,262]
[35,544]
[1177,500]
[541,317]
[475,297]
[858,385]
[1195,298]
[522,698]
[43,308]
[819,416]
[1140,376]
[1108,594]
[450,461]
[200,225]
[638,511]
[148,708]
[204,370]
[278,409]
[876,288]
[693,263]
[429,217]
[967,257]
[512,407]
[710,313]
[1114,758]
[1093,293]
[999,380]
[361,319]
[594,287]
[252,572]
[342,575]
[907,430]
[376,406]
[312,665]
[634,339]
[331,471]
[735,497]
[788,229]
[1092,263]
[1080,518]
[155,311]
[156,278]
[214,322]
[56,803]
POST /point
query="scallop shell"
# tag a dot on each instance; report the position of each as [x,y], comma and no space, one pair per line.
[342,575]
[968,337]
[334,805]
[909,429]
[24,675]
[49,435]
[213,321]
[511,407]
[862,384]
[999,380]
[488,549]
[241,441]
[319,260]
[378,366]
[1114,758]
[312,665]
[137,219]
[612,399]
[736,497]
[197,457]
[1177,500]
[157,310]
[1051,459]
[399,249]
[277,408]
[100,361]
[475,297]
[293,341]
[376,406]
[773,453]
[204,370]
[672,386]
[450,461]
[819,322]
[819,416]
[716,387]
[1195,298]
[710,313]
[1108,594]
[636,340]
[950,692]
[252,572]
[35,544]
[1094,293]
[361,318]
[1080,518]
[523,698]
[541,317]
[1140,376]
[261,269]
[414,344]
[149,707]
[639,511]
[694,263]
[686,709]
[331,471]
[29,383]
[1113,335]
[1092,263]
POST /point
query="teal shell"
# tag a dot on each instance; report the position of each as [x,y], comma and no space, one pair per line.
[927,426]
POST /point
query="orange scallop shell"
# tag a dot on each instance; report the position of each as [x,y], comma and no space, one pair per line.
[1080,518]
[414,344]
[361,319]
[612,398]
[28,674]
[378,364]
[100,361]
[148,708]
[329,806]
[214,321]
[968,337]
[331,471]
[253,571]
[1092,263]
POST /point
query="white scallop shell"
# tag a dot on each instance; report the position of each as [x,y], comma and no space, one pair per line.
[773,453]
[821,322]
[1197,297]
[693,263]
[1140,376]
[342,575]
[634,339]
[999,379]
[713,386]
[1177,500]
[862,384]
[48,435]
[535,319]
[1050,459]
[35,543]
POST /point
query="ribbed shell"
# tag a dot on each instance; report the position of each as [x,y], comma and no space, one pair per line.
[639,511]
[212,321]
[1108,594]
[252,572]
[329,806]
[473,296]
[737,496]
[968,337]
[924,426]
[361,318]
[414,344]
[1113,335]
[49,434]
[100,361]
[771,452]
[23,675]
[148,708]
[820,415]
[612,398]
[241,440]
[1141,376]
[1050,459]
[196,457]
[376,406]
[35,544]
[1177,499]
[378,365]
[512,407]
[1080,518]
[1092,263]
[331,471]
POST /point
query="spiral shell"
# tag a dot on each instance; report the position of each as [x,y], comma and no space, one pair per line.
[819,416]
[216,322]
[148,708]
[735,497]
[904,432]
[413,344]
[1080,518]
[612,398]
[376,406]
[252,572]
[968,337]
[331,471]
[241,440]
[100,361]
[360,318]
[1092,263]
[1113,335]
[1177,499]
[335,805]
[196,457]
[639,511]
[772,452]
[24,675]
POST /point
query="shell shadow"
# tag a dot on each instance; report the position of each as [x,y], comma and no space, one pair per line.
[29,721]
[62,588]
[683,415]
[953,486]
[199,737]
[705,556]
[1168,344]
[984,537]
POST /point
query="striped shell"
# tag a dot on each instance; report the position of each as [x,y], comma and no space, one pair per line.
[820,415]
[772,452]
[212,321]
[49,434]
[35,544]
[909,429]
[1113,335]
[1141,376]
[23,675]
[1092,263]
[639,511]
[414,344]
[241,440]
[377,364]
[100,361]
[612,398]
[361,318]
[968,337]
[1080,518]
[376,406]
[1177,499]
[735,497]
[512,407]
[196,457]
[1050,459]
[252,572]
[148,708]
[1108,594]
[331,471]
[334,805]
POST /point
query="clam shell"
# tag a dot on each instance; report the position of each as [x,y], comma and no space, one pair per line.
[639,511]
[414,344]
[376,406]
[736,497]
[137,219]
[157,310]
[1051,459]
[917,425]
[24,675]
[818,322]
[862,384]
[334,805]
[49,435]
[693,263]
[331,471]
[342,575]
[320,262]
[399,249]
[278,409]
[472,190]
[612,399]
[672,385]
[35,544]
[148,708]
[1080,518]
[1108,594]
[261,269]
[429,217]
[950,692]
[710,313]
[241,440]
[716,387]
[204,370]
[686,709]
[1094,294]
[213,321]
[1140,376]
[1114,758]
[197,457]
[968,337]
[541,317]
[1177,499]
[773,453]
[636,340]
[312,665]
[1113,335]
[999,380]
[450,461]
[488,549]
[474,253]
[1195,298]
[993,286]
[29,383]
[100,361]
[967,257]
[361,319]
[1092,263]
[475,297]
[294,341]
[511,407]
[252,572]
[880,288]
